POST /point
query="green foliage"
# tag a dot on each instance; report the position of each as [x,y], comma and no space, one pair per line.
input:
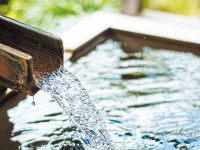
[47,14]
[183,7]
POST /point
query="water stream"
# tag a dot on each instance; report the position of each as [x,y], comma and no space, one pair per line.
[66,89]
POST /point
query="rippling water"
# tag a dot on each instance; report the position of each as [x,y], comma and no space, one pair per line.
[149,100]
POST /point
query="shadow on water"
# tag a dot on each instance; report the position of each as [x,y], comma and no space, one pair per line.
[6,127]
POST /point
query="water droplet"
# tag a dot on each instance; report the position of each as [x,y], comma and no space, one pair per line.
[33,103]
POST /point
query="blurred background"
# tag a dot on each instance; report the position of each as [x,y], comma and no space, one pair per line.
[52,14]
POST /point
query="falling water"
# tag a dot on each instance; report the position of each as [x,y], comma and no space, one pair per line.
[66,89]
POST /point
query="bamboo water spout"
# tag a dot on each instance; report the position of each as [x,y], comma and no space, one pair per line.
[27,55]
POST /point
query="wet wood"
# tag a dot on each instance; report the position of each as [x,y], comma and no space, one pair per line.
[90,45]
[27,55]
[134,42]
[2,90]
[14,64]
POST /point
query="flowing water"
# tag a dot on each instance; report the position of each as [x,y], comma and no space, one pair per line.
[66,89]
[150,100]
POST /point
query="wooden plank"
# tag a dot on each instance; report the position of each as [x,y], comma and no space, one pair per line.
[14,64]
[89,45]
[133,41]
[99,22]
[20,41]
[16,69]
[18,35]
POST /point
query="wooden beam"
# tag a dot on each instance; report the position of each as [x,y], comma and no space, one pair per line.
[14,64]
[27,55]
[90,30]
[16,67]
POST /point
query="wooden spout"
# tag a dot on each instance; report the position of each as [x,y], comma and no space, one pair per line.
[27,55]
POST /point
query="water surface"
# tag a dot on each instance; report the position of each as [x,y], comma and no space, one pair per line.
[149,100]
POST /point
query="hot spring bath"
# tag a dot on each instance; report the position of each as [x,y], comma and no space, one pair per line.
[149,99]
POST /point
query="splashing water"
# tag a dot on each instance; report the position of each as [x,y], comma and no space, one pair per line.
[66,89]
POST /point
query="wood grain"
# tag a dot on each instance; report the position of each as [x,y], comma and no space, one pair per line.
[14,64]
[15,69]
[20,42]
